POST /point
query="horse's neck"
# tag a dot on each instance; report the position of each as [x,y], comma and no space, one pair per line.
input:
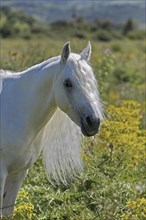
[41,103]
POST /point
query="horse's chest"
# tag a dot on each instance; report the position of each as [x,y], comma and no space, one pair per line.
[26,156]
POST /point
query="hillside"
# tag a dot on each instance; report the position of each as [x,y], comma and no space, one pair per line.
[51,11]
[16,23]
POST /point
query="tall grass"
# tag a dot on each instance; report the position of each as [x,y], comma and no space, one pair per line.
[112,186]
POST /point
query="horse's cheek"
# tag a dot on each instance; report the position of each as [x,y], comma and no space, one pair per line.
[61,101]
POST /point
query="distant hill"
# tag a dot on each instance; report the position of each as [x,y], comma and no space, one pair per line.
[17,23]
[52,11]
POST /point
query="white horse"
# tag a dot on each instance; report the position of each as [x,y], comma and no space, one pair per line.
[35,105]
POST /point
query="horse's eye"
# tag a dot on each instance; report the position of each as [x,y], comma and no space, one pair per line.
[68,83]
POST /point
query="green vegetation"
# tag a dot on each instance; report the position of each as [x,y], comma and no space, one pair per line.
[56,10]
[17,24]
[112,186]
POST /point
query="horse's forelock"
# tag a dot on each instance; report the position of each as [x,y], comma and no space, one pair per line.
[85,79]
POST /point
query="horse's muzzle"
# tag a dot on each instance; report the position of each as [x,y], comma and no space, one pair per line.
[90,125]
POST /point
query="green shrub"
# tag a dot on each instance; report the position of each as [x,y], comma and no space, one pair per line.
[116,47]
[121,75]
[104,36]
[129,26]
[136,35]
[80,35]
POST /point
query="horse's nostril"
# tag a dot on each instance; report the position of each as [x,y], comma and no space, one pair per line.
[90,125]
[89,121]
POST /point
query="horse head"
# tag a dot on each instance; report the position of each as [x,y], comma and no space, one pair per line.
[76,91]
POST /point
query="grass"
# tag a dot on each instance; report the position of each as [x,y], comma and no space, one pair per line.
[112,186]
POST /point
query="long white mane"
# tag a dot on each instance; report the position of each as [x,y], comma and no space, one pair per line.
[62,156]
[4,74]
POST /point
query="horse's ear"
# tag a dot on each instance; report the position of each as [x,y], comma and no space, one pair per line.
[65,52]
[86,53]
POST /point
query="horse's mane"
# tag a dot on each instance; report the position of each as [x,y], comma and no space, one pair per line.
[5,74]
[84,74]
[61,151]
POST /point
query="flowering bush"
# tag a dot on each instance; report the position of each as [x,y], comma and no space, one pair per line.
[122,132]
[114,159]
[121,135]
[135,210]
[24,208]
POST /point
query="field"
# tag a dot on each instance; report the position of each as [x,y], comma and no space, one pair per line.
[113,184]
